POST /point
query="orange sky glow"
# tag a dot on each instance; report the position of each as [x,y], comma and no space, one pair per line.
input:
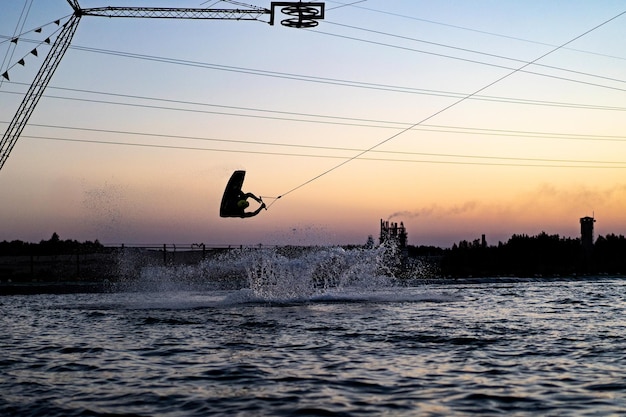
[145,120]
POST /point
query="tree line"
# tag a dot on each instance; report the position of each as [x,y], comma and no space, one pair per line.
[521,255]
[50,247]
[542,254]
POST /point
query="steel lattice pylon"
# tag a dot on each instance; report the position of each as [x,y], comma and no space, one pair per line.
[36,89]
[303,15]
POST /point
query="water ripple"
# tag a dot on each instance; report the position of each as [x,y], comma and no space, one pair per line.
[522,349]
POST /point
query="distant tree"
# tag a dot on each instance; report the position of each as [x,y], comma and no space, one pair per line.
[522,255]
[609,254]
[53,246]
[14,248]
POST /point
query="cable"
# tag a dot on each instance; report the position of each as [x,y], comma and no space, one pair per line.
[310,118]
[37,29]
[436,93]
[333,120]
[473,61]
[441,45]
[477,30]
[288,145]
[449,106]
[332,81]
[32,51]
[423,127]
[9,55]
[318,79]
[466,97]
[553,163]
[344,82]
[345,5]
[147,106]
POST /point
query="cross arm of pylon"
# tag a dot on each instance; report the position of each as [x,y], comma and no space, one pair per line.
[177,13]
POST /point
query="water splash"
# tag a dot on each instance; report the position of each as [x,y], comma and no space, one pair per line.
[305,273]
[285,274]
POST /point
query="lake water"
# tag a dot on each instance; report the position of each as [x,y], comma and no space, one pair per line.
[362,346]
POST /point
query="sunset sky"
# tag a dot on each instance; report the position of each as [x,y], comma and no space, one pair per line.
[144,121]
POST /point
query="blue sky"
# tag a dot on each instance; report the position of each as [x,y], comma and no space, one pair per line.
[181,104]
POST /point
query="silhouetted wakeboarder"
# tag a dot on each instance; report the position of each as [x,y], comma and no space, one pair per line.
[235,201]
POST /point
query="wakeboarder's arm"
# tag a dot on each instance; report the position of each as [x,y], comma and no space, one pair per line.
[253,213]
[250,195]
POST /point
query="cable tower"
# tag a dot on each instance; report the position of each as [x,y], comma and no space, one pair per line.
[301,15]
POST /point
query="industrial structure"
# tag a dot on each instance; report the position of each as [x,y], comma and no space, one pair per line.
[393,232]
[586,231]
[586,241]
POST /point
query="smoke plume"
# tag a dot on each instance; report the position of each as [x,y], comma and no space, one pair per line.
[436,210]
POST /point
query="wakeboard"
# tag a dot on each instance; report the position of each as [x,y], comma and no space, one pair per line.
[228,207]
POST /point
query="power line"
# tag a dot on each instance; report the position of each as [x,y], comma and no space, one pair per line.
[331,81]
[22,20]
[448,107]
[276,74]
[352,83]
[545,163]
[473,61]
[315,118]
[423,127]
[483,32]
[266,73]
[344,5]
[19,37]
[335,120]
[289,145]
[349,83]
[441,45]
[414,50]
[335,148]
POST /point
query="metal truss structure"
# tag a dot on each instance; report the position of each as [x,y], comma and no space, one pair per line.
[302,15]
